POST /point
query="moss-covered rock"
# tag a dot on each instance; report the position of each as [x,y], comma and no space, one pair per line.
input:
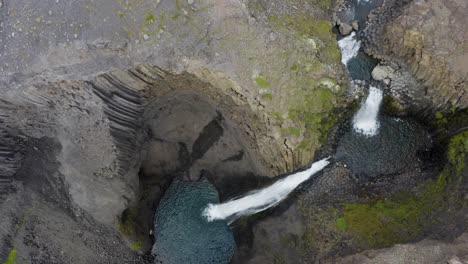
[392,106]
[128,225]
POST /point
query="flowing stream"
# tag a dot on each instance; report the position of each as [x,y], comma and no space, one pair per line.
[263,199]
[365,121]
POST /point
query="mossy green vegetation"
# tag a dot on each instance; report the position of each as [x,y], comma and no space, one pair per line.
[137,245]
[267,96]
[149,18]
[12,257]
[314,93]
[127,223]
[457,151]
[404,217]
[392,105]
[319,29]
[295,131]
[313,110]
[127,226]
[341,224]
[262,82]
[450,118]
[323,4]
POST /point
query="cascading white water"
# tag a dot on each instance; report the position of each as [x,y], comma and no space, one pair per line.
[263,199]
[349,47]
[365,121]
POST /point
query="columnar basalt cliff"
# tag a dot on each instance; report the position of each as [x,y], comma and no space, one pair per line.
[430,38]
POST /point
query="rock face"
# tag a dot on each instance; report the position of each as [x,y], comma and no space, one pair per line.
[430,37]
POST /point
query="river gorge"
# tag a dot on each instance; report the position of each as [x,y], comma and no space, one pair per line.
[233,131]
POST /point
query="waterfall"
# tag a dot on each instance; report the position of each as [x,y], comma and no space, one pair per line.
[365,121]
[349,47]
[263,199]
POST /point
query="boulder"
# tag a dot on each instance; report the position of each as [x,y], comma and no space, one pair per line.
[380,73]
[355,25]
[345,29]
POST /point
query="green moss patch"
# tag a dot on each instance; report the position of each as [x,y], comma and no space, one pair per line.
[457,151]
[450,119]
[392,105]
[313,111]
[262,82]
[323,4]
[319,29]
[267,96]
[341,224]
[127,222]
[12,258]
[149,18]
[127,226]
[137,245]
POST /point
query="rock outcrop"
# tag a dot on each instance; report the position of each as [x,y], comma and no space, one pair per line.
[430,37]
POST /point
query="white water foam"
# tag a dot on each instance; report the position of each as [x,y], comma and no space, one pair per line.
[365,121]
[349,47]
[263,199]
